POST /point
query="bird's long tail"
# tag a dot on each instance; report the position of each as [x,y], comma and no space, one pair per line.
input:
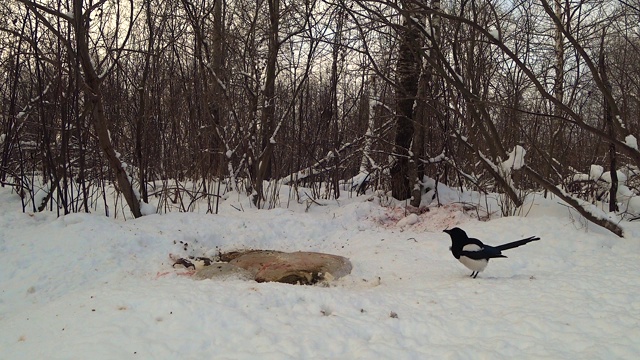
[515,244]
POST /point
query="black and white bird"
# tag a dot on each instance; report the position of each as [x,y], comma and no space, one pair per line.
[475,255]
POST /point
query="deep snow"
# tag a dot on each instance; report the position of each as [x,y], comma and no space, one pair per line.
[87,286]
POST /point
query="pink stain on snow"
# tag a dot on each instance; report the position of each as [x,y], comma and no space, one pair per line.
[431,219]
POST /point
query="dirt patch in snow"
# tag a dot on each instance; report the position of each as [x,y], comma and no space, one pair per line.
[304,268]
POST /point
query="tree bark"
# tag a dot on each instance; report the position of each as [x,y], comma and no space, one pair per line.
[608,119]
[407,74]
[426,112]
[263,165]
[557,128]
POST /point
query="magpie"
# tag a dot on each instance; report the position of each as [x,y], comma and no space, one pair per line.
[475,255]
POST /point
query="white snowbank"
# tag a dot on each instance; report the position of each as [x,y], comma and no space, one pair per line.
[147,209]
[595,172]
[85,285]
[408,221]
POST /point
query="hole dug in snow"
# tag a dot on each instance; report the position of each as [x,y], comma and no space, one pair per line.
[304,268]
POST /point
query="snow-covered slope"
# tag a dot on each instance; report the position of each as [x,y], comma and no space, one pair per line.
[86,286]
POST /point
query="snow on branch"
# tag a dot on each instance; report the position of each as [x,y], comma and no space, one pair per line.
[500,173]
[595,186]
[515,160]
[584,208]
[631,142]
[316,168]
[592,213]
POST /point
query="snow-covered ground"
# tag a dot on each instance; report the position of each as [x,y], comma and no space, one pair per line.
[86,286]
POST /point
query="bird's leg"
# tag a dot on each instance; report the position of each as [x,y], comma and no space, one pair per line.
[476,275]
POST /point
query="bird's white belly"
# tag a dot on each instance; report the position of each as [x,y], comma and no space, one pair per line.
[472,264]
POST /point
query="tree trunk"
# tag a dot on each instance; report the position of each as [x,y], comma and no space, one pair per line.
[143,111]
[100,122]
[407,74]
[369,111]
[426,110]
[218,69]
[557,128]
[337,44]
[263,165]
[608,119]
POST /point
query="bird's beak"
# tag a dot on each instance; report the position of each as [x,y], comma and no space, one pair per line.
[447,231]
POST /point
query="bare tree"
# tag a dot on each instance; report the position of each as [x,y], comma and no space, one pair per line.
[80,20]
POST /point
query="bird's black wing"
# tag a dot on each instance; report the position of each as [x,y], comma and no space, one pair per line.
[485,252]
[477,250]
